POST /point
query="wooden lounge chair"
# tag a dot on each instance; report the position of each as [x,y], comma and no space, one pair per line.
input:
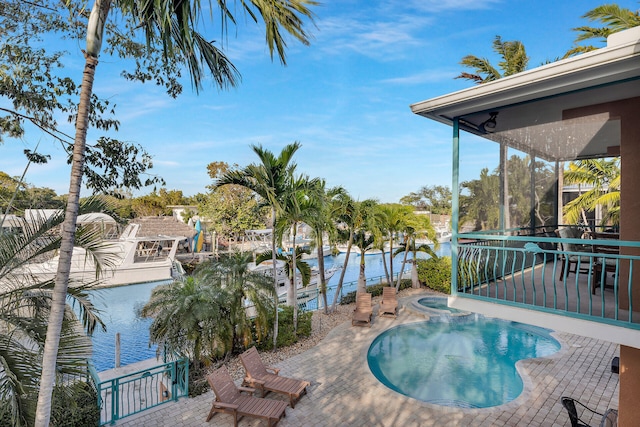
[389,303]
[363,312]
[259,377]
[229,400]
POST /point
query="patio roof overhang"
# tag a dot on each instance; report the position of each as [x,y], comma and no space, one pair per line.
[538,111]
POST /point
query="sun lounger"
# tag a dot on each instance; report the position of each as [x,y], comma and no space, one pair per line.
[259,377]
[389,303]
[363,312]
[229,400]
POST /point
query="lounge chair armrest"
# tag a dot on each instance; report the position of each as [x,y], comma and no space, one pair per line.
[247,389]
[250,380]
[225,405]
[276,371]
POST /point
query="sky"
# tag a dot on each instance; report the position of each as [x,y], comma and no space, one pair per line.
[345,97]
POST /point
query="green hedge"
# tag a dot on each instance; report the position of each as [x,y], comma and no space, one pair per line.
[285,329]
[435,273]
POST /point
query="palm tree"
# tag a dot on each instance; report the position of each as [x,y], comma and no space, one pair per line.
[603,178]
[25,305]
[320,221]
[365,241]
[171,24]
[269,179]
[614,18]
[295,265]
[392,218]
[204,316]
[514,60]
[298,202]
[416,226]
[350,216]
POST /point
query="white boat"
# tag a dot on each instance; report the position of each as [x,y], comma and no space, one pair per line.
[133,260]
[266,268]
[342,248]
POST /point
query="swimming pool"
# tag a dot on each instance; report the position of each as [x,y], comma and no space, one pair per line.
[466,361]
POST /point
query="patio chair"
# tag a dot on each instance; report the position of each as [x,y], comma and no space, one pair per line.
[363,312]
[389,303]
[229,400]
[609,265]
[608,419]
[571,259]
[267,379]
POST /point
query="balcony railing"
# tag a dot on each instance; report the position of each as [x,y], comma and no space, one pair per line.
[588,278]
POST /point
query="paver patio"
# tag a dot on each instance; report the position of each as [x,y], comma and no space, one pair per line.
[343,390]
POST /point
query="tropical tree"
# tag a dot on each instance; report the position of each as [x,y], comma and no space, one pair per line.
[230,210]
[416,226]
[612,16]
[295,265]
[602,178]
[204,317]
[514,60]
[299,202]
[25,305]
[391,218]
[365,241]
[435,199]
[269,179]
[172,25]
[350,216]
[480,201]
[321,222]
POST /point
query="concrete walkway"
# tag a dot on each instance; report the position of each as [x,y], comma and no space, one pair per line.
[344,392]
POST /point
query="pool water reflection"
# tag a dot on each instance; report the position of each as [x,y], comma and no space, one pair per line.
[466,361]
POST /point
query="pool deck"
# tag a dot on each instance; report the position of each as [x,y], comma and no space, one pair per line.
[343,390]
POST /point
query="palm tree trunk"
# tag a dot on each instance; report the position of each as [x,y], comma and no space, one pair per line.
[323,281]
[404,262]
[292,295]
[362,279]
[58,304]
[384,265]
[275,275]
[344,269]
[390,258]
[95,31]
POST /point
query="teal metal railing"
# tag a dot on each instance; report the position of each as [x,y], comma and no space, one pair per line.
[581,277]
[133,393]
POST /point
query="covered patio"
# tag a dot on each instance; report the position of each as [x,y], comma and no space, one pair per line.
[516,266]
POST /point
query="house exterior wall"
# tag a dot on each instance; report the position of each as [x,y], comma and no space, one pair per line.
[627,112]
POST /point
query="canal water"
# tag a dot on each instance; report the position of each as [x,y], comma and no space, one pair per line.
[119,308]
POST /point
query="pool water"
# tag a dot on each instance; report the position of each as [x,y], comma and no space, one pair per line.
[463,362]
[438,304]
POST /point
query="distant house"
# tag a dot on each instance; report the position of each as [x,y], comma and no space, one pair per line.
[180,211]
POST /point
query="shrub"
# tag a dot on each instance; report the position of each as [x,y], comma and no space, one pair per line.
[285,329]
[71,406]
[435,273]
[75,405]
[197,379]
